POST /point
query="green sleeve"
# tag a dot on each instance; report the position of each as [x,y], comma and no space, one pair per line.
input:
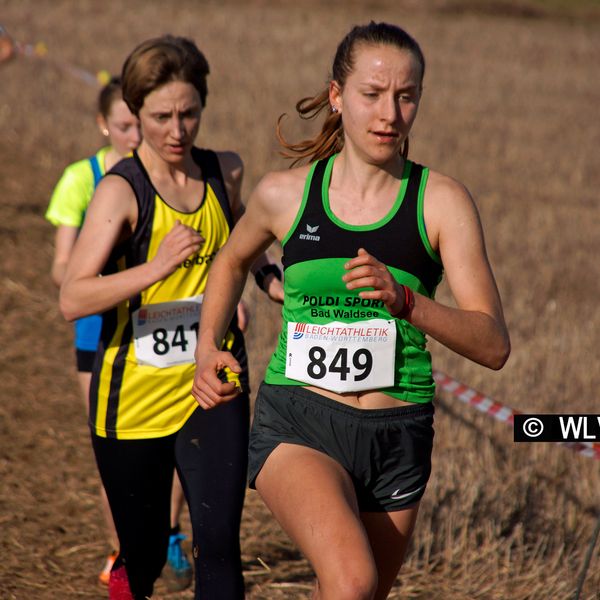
[72,195]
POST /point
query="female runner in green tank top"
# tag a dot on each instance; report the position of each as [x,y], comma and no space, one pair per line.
[346,405]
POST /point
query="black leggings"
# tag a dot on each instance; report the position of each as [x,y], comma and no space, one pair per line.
[210,453]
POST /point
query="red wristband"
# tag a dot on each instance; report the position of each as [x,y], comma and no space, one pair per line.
[409,303]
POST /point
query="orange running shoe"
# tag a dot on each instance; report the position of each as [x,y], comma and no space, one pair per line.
[104,576]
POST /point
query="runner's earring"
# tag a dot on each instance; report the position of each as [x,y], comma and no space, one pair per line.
[334,109]
[105,132]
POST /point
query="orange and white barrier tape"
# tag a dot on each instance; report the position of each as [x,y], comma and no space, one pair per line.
[499,411]
[10,48]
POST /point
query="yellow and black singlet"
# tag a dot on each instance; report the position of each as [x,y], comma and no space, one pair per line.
[144,367]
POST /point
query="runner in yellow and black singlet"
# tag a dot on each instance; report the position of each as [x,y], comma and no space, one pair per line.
[152,231]
[148,341]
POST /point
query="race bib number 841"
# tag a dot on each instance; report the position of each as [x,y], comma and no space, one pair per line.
[342,357]
[165,333]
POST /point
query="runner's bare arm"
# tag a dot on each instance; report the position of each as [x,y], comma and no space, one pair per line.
[111,218]
[250,237]
[476,328]
[233,172]
[232,168]
[64,240]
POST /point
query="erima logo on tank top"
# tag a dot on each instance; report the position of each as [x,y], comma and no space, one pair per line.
[310,235]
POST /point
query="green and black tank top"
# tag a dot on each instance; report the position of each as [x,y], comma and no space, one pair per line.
[144,367]
[314,252]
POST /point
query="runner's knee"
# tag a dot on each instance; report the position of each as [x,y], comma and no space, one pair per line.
[350,584]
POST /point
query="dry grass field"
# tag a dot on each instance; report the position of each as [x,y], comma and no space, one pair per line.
[510,108]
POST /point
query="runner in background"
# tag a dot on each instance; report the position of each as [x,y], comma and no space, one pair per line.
[66,211]
[153,229]
[340,447]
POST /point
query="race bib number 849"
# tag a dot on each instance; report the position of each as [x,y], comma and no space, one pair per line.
[342,357]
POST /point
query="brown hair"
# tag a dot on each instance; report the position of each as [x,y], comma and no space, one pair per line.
[331,138]
[109,94]
[158,61]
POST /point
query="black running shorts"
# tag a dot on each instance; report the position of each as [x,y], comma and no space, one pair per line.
[85,360]
[387,452]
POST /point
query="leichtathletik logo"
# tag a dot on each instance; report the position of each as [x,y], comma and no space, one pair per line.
[299,330]
[142,316]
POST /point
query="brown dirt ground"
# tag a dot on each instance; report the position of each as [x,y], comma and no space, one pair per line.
[510,108]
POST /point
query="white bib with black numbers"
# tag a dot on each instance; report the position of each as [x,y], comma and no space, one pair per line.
[165,333]
[342,357]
